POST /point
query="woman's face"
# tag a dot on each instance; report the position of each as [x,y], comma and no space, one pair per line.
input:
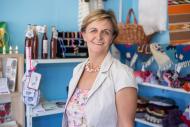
[99,36]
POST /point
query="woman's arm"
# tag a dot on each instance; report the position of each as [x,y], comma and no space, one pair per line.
[126,102]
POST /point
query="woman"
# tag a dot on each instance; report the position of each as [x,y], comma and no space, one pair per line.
[102,91]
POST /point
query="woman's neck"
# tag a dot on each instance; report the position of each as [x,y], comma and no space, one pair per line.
[96,59]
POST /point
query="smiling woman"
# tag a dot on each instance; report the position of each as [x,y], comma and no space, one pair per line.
[99,96]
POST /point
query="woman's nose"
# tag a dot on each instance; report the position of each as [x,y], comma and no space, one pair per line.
[100,35]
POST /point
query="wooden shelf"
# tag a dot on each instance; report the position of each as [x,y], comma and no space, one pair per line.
[17,105]
[8,97]
[147,123]
[164,87]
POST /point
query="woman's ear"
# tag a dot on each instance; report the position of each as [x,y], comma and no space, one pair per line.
[113,38]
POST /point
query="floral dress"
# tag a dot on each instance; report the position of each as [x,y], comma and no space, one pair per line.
[75,109]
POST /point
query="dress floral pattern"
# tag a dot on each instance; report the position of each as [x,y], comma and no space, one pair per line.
[75,109]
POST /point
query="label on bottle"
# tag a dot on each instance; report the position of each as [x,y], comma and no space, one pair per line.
[40,29]
[45,46]
[55,35]
[28,52]
[29,34]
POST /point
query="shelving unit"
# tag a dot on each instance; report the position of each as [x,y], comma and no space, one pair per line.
[180,90]
[29,111]
[17,106]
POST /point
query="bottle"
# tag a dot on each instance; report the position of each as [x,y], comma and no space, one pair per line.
[28,43]
[35,43]
[44,50]
[53,43]
[28,27]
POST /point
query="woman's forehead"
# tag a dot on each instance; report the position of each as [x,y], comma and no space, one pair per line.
[104,24]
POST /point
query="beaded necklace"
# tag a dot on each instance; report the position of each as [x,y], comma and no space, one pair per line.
[90,68]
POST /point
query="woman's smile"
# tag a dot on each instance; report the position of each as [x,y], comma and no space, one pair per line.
[97,43]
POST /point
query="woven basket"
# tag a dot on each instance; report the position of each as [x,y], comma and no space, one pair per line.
[131,32]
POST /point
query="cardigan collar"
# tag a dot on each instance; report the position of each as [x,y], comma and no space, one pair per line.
[105,64]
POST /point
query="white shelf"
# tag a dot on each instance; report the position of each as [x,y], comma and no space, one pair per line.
[164,87]
[63,60]
[147,123]
[50,112]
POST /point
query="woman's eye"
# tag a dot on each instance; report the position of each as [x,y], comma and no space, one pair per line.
[92,31]
[106,32]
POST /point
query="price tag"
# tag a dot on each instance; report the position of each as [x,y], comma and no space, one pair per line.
[34,80]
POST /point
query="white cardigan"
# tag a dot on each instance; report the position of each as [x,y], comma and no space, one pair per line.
[100,109]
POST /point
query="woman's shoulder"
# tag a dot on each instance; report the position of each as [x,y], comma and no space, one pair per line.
[120,67]
[122,75]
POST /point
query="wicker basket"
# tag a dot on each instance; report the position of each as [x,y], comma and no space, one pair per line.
[131,32]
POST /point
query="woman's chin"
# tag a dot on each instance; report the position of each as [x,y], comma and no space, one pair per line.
[98,51]
[97,48]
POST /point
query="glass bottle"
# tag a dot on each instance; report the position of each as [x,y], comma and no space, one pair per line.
[44,44]
[53,45]
[35,43]
[28,27]
[28,42]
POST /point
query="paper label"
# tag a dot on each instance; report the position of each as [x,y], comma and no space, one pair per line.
[34,80]
[45,46]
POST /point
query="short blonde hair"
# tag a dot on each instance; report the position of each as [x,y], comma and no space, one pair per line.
[98,15]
